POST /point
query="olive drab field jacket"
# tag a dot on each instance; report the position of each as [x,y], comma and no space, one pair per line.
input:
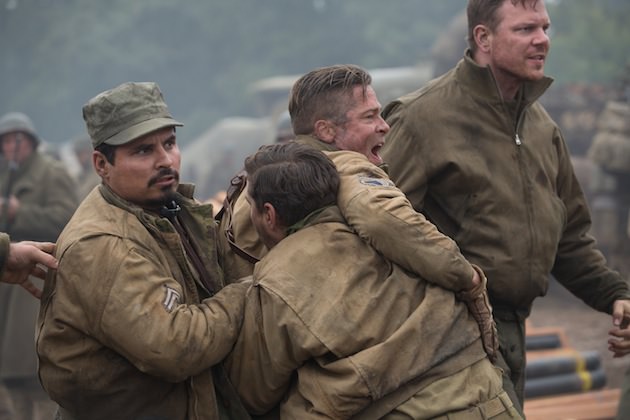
[124,330]
[497,177]
[47,196]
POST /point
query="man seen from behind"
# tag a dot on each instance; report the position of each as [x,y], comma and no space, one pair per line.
[333,329]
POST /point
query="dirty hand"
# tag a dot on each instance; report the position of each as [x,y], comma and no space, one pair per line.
[619,342]
[28,258]
[479,306]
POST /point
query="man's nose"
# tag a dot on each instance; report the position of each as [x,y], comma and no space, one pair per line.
[164,159]
[541,37]
[382,127]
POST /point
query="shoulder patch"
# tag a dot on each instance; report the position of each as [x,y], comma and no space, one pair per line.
[171,299]
[376,182]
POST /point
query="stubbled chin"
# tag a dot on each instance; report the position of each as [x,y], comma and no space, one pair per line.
[537,67]
[537,74]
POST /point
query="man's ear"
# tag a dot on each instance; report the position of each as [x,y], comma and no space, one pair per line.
[270,217]
[273,228]
[325,131]
[100,164]
[482,36]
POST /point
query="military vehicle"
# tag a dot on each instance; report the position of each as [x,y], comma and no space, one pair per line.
[575,107]
[212,159]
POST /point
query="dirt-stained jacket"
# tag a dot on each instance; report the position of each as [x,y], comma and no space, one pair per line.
[352,324]
[47,195]
[123,331]
[5,243]
[497,178]
[381,214]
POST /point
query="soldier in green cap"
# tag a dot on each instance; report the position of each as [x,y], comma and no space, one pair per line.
[136,315]
[37,198]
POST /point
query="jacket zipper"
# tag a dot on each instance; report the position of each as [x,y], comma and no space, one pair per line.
[526,194]
[517,140]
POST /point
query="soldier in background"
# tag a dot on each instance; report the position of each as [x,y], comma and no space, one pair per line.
[610,151]
[37,199]
[86,177]
[283,134]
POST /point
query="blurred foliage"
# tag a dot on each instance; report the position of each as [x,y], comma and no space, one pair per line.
[590,40]
[56,54]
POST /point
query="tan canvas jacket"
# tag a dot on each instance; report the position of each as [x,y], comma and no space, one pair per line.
[331,326]
[123,331]
[380,213]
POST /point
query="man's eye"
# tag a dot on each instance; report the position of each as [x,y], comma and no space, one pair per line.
[525,29]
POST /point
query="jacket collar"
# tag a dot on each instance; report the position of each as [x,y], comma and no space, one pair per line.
[326,214]
[481,82]
[316,143]
[184,191]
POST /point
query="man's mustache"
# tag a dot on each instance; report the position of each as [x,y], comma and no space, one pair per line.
[164,172]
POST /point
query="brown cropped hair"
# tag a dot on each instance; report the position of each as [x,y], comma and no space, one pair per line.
[325,94]
[484,12]
[294,178]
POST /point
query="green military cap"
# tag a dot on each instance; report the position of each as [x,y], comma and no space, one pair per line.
[126,112]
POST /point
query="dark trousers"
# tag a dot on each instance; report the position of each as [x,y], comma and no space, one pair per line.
[512,359]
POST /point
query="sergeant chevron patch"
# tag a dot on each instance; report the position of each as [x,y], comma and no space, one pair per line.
[171,299]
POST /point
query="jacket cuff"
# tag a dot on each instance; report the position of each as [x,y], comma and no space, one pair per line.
[5,243]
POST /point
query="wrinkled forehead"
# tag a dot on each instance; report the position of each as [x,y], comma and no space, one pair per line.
[363,100]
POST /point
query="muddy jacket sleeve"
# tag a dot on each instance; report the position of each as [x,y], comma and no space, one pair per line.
[384,217]
[135,307]
[579,265]
[272,344]
[5,243]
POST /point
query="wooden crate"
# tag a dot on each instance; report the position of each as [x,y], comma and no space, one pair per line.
[594,405]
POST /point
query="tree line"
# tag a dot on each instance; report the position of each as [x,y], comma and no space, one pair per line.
[56,54]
